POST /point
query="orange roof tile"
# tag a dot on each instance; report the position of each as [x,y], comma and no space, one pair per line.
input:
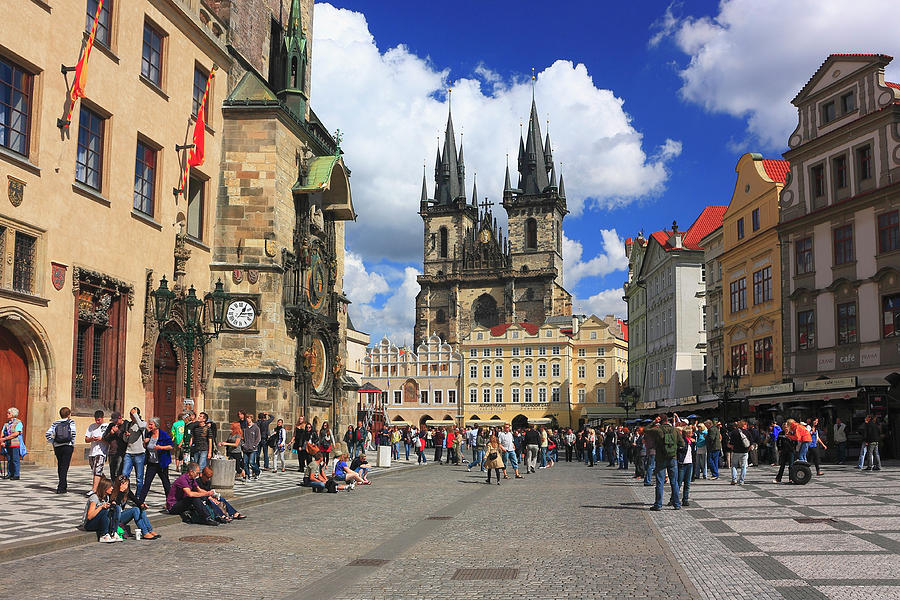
[777,170]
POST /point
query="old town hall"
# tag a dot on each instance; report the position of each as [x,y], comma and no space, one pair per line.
[473,274]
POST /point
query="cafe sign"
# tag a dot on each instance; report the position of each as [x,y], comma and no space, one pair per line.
[829,384]
[775,388]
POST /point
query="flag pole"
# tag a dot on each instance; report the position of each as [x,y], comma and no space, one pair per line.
[196,155]
[77,90]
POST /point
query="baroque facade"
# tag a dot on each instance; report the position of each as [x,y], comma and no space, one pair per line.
[473,274]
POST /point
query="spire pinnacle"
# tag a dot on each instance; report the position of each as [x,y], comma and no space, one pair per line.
[475,190]
[506,184]
[424,198]
[562,186]
[532,84]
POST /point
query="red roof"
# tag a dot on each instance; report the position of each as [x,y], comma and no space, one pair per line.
[777,170]
[896,86]
[624,326]
[709,220]
[629,241]
[498,330]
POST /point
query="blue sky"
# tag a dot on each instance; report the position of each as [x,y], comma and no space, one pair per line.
[649,106]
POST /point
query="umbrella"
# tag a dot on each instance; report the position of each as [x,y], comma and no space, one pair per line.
[692,416]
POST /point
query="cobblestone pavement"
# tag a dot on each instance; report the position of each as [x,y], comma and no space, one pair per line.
[30,510]
[428,533]
[837,537]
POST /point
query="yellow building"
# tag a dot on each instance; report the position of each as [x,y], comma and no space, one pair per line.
[91,223]
[751,274]
[599,368]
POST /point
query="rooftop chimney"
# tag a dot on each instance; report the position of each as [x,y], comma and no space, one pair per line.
[676,236]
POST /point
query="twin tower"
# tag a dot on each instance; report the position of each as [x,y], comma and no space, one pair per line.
[473,274]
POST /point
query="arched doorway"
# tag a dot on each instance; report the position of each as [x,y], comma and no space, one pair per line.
[520,421]
[13,376]
[422,420]
[165,382]
[485,311]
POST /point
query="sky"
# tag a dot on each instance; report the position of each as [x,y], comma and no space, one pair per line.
[649,107]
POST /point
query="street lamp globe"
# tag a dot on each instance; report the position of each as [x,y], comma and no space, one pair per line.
[215,305]
[192,308]
[162,301]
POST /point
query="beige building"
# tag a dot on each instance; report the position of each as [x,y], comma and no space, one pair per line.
[89,222]
[599,369]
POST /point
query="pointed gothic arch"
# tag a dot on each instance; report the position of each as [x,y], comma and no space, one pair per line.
[485,312]
[443,238]
[531,233]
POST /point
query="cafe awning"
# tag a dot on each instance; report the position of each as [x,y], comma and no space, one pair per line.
[539,421]
[368,388]
[488,423]
[603,412]
[440,423]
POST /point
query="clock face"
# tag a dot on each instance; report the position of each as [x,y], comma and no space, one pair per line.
[485,236]
[320,365]
[240,314]
[316,281]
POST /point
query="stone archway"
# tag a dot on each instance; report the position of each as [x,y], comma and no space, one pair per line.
[520,421]
[484,311]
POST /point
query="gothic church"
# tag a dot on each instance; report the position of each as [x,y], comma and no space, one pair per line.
[473,274]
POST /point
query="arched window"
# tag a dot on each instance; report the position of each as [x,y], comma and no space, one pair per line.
[294,72]
[485,311]
[558,237]
[441,316]
[443,243]
[530,234]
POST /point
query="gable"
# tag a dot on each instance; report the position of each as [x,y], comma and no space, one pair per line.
[836,68]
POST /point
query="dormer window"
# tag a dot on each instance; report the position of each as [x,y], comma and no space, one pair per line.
[828,112]
[848,103]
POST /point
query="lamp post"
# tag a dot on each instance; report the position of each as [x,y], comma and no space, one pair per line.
[726,386]
[628,399]
[196,313]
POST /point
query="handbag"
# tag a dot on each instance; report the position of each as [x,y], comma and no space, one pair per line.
[492,456]
[22,450]
[311,448]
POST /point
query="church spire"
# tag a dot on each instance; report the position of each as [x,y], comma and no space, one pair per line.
[562,186]
[506,184]
[553,177]
[424,199]
[294,63]
[448,176]
[533,169]
[475,190]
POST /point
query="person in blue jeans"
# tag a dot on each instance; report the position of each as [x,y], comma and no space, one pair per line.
[128,508]
[135,451]
[713,447]
[97,512]
[666,464]
[10,441]
[686,465]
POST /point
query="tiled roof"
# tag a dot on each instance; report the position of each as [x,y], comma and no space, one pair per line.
[859,54]
[709,219]
[777,170]
[883,57]
[629,241]
[662,237]
[498,330]
[896,86]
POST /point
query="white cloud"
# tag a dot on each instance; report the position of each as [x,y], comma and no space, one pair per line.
[753,57]
[391,107]
[607,302]
[360,285]
[396,317]
[611,259]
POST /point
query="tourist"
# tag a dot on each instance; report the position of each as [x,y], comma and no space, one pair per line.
[457,446]
[701,465]
[97,453]
[115,443]
[120,498]
[250,447]
[312,474]
[667,441]
[640,454]
[569,442]
[532,446]
[739,444]
[135,451]
[343,472]
[610,443]
[545,443]
[13,443]
[395,442]
[350,440]
[493,459]
[438,439]
[201,440]
[61,435]
[839,438]
[186,495]
[159,457]
[420,448]
[472,441]
[508,446]
[449,438]
[360,466]
[552,448]
[177,439]
[278,444]
[650,460]
[406,437]
[360,442]
[298,444]
[800,434]
[263,420]
[713,447]
[623,441]
[233,450]
[815,456]
[480,443]
[685,463]
[221,509]
[325,443]
[871,438]
[785,446]
[96,516]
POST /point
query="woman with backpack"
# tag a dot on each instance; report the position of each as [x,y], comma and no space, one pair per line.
[739,445]
[326,443]
[815,457]
[62,435]
[685,456]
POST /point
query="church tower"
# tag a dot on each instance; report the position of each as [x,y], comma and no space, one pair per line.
[292,64]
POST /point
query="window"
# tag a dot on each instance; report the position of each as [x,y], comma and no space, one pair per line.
[438,396]
[486,395]
[486,369]
[554,369]
[601,351]
[103,32]
[479,336]
[889,232]
[703,273]
[515,352]
[848,103]
[473,352]
[601,395]
[739,359]
[423,396]
[195,207]
[581,396]
[828,112]
[555,351]
[890,309]
[398,397]
[601,371]
[740,228]
[498,351]
[738,295]
[451,396]
[144,178]
[846,317]
[498,371]
[530,234]
[151,55]
[542,370]
[486,352]
[581,352]
[23,262]
[515,371]
[818,180]
[804,255]
[473,395]
[542,350]
[554,394]
[528,351]
[542,394]
[15,107]
[527,394]
[839,167]
[593,335]
[581,371]
[528,370]
[806,329]
[89,156]
[473,371]
[763,356]
[755,219]
[843,245]
[442,244]
[762,285]
[864,163]
[498,395]
[515,394]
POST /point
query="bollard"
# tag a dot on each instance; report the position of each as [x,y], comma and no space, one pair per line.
[223,472]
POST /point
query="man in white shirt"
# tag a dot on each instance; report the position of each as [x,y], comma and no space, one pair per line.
[97,456]
[840,440]
[509,451]
[471,439]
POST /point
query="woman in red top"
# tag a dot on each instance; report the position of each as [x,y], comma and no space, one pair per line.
[800,434]
[448,443]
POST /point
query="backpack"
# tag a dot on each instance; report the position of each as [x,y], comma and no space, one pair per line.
[62,432]
[745,443]
[272,442]
[670,444]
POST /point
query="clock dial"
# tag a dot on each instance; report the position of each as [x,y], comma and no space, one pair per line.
[240,314]
[319,365]
[485,236]
[316,281]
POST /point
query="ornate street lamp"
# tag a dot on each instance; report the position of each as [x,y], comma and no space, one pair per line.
[729,383]
[162,301]
[216,302]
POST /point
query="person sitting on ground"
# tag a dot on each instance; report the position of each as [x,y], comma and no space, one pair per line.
[342,471]
[314,477]
[128,507]
[360,466]
[186,494]
[97,512]
[219,506]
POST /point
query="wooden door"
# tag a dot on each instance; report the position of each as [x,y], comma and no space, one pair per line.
[13,377]
[165,383]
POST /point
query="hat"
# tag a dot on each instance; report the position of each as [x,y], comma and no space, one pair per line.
[115,416]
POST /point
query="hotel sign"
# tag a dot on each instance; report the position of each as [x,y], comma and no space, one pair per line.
[829,384]
[768,390]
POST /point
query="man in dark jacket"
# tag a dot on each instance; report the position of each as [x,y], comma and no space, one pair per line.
[739,443]
[666,441]
[871,437]
[263,421]
[250,447]
[114,438]
[713,447]
[532,446]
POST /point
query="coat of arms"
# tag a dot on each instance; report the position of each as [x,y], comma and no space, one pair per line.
[252,276]
[16,190]
[58,275]
[237,275]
